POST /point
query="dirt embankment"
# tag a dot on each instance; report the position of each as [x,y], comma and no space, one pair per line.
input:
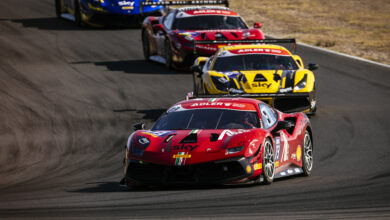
[356,27]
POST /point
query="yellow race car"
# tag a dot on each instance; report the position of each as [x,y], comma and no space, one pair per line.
[265,72]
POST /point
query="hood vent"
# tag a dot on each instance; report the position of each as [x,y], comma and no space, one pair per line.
[191,138]
[214,137]
[259,78]
[234,34]
[220,36]
[169,138]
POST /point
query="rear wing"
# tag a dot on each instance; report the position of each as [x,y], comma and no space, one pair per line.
[195,2]
[191,95]
[287,109]
[166,3]
[263,41]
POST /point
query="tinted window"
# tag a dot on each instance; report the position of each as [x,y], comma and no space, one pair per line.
[169,20]
[209,22]
[268,115]
[207,119]
[255,62]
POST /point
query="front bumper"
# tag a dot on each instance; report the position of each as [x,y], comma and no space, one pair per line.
[217,172]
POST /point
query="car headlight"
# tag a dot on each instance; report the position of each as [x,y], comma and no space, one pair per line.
[221,83]
[301,84]
[234,150]
[188,37]
[178,45]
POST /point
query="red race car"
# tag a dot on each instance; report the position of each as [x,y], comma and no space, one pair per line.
[171,39]
[219,141]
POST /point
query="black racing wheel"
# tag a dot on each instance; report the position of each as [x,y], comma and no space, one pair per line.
[268,162]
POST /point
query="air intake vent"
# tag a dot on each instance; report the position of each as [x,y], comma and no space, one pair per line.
[191,138]
[259,78]
[214,137]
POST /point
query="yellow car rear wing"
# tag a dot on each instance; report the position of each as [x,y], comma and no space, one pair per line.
[263,41]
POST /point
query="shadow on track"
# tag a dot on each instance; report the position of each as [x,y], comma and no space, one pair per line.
[135,67]
[56,24]
[108,187]
[52,24]
[150,114]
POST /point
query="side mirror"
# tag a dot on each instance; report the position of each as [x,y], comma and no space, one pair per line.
[196,68]
[257,25]
[313,66]
[158,27]
[139,126]
[282,125]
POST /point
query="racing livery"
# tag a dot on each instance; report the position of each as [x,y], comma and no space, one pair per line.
[219,141]
[266,72]
[176,38]
[98,13]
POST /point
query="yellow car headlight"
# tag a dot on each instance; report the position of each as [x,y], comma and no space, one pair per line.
[301,84]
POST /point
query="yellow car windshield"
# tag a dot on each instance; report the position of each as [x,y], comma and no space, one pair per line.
[254,62]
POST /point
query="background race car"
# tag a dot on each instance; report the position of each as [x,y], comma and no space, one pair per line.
[266,72]
[100,13]
[171,39]
[219,141]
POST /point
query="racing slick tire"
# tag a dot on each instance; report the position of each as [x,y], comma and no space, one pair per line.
[145,45]
[77,13]
[307,160]
[58,8]
[168,54]
[268,162]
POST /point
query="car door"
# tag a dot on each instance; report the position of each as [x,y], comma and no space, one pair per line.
[284,142]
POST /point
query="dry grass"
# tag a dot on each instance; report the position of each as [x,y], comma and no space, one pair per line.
[356,27]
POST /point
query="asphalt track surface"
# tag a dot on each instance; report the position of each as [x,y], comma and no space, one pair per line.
[69,96]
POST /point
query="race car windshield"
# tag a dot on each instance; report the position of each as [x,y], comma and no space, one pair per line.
[255,62]
[209,22]
[207,119]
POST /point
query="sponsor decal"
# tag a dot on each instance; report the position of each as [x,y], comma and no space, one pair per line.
[259,51]
[277,148]
[158,133]
[285,147]
[212,100]
[277,164]
[181,158]
[186,147]
[211,12]
[260,84]
[231,133]
[248,169]
[299,153]
[195,131]
[258,166]
[206,47]
[126,5]
[180,155]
